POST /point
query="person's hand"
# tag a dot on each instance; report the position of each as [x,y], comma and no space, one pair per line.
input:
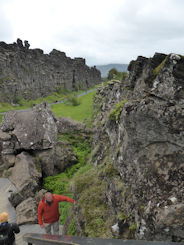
[42,226]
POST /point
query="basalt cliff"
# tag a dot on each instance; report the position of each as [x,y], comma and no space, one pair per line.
[30,74]
[132,186]
[138,154]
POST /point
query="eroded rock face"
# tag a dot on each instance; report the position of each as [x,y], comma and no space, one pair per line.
[30,74]
[146,135]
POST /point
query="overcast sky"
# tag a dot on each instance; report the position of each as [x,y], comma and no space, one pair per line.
[101,31]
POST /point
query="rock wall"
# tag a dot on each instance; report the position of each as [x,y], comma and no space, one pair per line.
[29,73]
[139,125]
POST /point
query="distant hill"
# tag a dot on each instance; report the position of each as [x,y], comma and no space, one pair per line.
[104,69]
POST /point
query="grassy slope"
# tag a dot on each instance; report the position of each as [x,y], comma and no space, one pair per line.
[80,112]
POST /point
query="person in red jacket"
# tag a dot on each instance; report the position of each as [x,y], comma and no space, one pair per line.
[48,212]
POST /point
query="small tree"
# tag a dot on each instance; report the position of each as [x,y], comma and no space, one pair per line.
[112,73]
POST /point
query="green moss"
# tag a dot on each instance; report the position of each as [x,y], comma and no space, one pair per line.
[115,113]
[159,67]
[109,170]
[133,227]
[122,216]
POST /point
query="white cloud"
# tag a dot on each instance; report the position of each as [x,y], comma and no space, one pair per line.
[100,31]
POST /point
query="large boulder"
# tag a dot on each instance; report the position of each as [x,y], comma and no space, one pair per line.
[24,170]
[64,156]
[25,176]
[26,212]
[33,129]
[67,125]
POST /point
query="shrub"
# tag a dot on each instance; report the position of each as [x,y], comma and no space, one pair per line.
[112,73]
[61,90]
[18,100]
[73,100]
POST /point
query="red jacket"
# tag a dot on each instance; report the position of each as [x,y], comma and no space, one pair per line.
[49,214]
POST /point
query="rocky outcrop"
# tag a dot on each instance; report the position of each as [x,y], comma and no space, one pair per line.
[31,149]
[140,127]
[56,160]
[30,74]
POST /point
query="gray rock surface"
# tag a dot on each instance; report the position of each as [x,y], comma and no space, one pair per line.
[67,125]
[24,170]
[30,130]
[25,177]
[30,74]
[140,123]
[26,211]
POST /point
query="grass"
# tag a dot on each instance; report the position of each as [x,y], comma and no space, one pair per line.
[81,112]
[22,103]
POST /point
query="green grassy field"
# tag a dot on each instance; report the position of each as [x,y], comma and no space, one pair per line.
[82,112]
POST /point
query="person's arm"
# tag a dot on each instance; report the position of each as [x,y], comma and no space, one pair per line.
[15,228]
[61,198]
[40,213]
